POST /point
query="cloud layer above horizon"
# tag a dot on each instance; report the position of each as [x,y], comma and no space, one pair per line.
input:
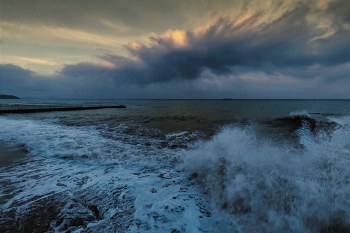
[279,49]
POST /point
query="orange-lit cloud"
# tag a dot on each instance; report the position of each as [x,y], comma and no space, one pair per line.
[258,42]
[225,28]
[254,47]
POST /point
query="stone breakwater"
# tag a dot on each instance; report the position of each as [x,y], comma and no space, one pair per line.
[57,109]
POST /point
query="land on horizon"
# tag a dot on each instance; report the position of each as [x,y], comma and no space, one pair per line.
[2,96]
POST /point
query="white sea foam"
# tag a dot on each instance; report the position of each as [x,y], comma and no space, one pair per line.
[300,113]
[269,188]
[98,183]
[344,120]
[70,142]
[253,182]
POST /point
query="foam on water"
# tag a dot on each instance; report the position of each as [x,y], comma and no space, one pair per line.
[344,121]
[71,142]
[74,179]
[101,179]
[270,188]
[299,113]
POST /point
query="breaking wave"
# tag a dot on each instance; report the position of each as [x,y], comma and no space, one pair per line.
[269,187]
[258,184]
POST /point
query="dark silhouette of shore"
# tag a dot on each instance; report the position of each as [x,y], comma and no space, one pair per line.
[2,96]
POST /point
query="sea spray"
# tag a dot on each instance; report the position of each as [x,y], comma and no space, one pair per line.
[270,188]
[283,167]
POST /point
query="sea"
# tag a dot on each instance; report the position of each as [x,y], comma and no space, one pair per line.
[176,166]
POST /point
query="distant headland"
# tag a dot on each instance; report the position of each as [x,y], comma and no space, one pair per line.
[2,96]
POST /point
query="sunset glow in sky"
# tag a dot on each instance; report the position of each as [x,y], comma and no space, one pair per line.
[175,48]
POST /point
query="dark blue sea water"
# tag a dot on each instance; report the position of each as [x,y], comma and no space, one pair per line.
[176,166]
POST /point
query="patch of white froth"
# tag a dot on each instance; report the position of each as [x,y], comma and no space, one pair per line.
[267,188]
[72,142]
[128,199]
[306,136]
[343,121]
[176,134]
[183,136]
[299,113]
[99,184]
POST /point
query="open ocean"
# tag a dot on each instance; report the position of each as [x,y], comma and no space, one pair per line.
[176,166]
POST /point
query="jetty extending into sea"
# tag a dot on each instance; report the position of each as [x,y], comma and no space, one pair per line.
[53,109]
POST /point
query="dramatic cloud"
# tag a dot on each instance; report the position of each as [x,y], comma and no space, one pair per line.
[230,45]
[249,49]
[26,83]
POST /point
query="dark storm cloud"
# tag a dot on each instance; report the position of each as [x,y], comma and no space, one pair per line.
[13,76]
[307,46]
[26,83]
[228,45]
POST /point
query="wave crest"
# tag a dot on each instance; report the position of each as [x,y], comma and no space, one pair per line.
[269,188]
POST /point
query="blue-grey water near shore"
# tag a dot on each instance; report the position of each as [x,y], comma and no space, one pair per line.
[176,166]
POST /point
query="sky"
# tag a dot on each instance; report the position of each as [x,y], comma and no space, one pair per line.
[175,49]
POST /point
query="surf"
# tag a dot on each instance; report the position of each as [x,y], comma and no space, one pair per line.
[269,187]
